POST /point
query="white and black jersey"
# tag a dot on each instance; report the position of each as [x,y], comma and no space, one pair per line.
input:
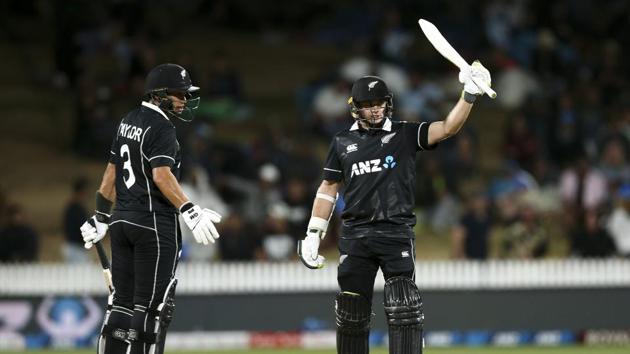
[145,139]
[378,169]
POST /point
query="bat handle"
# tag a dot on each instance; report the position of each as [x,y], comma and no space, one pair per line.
[485,88]
[107,274]
[102,256]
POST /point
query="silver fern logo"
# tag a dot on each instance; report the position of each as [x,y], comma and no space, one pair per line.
[387,138]
[371,85]
[183,74]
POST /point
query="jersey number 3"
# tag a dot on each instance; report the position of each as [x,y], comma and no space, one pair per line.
[126,156]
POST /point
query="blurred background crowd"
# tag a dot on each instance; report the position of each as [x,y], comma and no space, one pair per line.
[542,171]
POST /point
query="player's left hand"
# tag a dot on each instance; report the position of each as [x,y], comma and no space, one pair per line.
[477,71]
[308,250]
[94,229]
[201,222]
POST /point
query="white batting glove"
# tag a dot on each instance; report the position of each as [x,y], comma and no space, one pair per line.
[94,229]
[201,222]
[308,249]
[477,71]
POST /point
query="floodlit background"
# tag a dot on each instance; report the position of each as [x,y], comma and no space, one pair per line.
[523,233]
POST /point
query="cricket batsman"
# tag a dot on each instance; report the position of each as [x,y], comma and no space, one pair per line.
[142,178]
[375,160]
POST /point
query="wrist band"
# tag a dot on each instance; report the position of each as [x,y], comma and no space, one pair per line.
[469,97]
[185,207]
[318,223]
[103,205]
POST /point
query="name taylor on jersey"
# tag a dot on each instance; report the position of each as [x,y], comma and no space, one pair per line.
[130,131]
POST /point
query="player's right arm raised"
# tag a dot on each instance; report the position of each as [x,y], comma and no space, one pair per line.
[323,207]
[199,221]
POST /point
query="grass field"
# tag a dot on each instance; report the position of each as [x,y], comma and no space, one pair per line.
[462,350]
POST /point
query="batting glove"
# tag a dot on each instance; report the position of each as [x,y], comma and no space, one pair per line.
[477,71]
[201,222]
[308,249]
[94,229]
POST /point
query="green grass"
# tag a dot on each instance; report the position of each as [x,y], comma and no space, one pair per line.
[460,350]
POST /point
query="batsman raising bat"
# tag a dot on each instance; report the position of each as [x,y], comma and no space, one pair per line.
[375,160]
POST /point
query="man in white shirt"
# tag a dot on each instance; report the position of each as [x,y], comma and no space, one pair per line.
[619,221]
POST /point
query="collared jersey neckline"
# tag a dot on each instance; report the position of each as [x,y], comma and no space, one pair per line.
[387,126]
[155,108]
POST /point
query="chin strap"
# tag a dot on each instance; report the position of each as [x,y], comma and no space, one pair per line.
[369,125]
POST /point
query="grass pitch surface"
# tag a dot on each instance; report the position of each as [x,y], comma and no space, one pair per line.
[461,350]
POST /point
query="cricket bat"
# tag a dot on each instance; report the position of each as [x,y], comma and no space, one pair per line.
[444,47]
[107,273]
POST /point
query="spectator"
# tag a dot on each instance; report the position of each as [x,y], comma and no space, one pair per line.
[592,240]
[420,102]
[434,196]
[582,186]
[20,242]
[330,106]
[297,204]
[614,162]
[74,215]
[470,237]
[520,143]
[223,90]
[238,241]
[198,188]
[460,162]
[565,140]
[277,244]
[526,238]
[618,224]
[395,38]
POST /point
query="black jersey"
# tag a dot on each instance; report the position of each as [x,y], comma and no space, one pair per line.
[145,139]
[378,169]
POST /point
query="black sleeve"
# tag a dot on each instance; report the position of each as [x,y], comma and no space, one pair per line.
[418,135]
[161,146]
[423,136]
[332,167]
[113,151]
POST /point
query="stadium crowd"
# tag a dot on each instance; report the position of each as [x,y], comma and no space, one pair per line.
[562,116]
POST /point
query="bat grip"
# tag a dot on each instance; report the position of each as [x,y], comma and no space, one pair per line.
[102,256]
[485,88]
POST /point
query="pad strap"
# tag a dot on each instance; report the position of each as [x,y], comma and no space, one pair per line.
[146,337]
[115,332]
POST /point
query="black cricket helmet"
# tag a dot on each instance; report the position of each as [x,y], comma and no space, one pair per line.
[167,79]
[370,89]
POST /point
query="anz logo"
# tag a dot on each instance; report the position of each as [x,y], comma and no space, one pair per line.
[371,166]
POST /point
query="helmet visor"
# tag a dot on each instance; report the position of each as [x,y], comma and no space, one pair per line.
[187,114]
[372,112]
[188,102]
